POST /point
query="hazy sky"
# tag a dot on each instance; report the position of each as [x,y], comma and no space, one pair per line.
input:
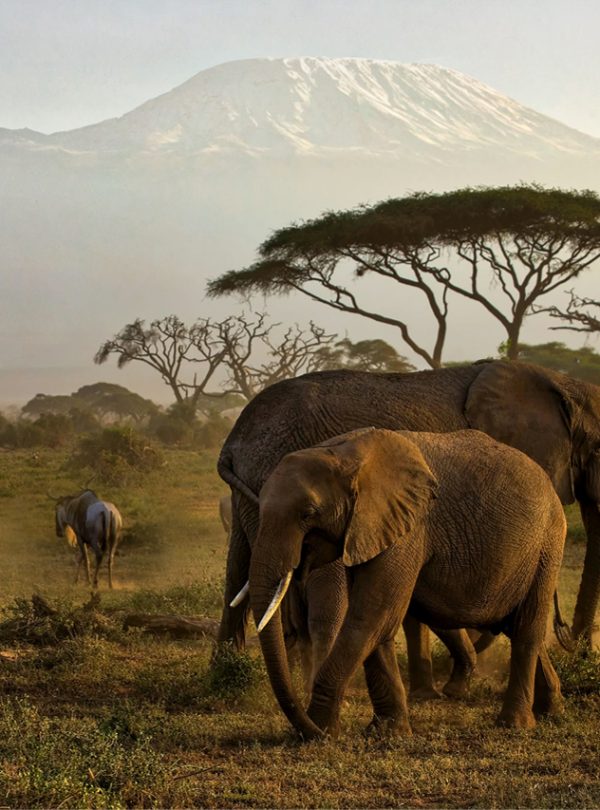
[66,63]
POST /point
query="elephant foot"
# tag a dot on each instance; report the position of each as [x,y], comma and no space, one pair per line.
[325,721]
[457,688]
[388,727]
[548,705]
[516,718]
[422,693]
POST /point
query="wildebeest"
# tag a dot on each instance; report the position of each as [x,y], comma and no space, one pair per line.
[95,523]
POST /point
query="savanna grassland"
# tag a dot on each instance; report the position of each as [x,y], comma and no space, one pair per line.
[92,715]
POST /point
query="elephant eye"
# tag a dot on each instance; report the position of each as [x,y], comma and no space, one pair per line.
[309,512]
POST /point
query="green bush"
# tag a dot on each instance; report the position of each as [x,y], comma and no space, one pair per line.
[117,455]
[579,672]
[233,673]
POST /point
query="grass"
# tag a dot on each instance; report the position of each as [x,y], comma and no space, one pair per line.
[95,716]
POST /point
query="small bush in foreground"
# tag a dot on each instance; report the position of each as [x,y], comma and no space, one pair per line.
[233,673]
[579,672]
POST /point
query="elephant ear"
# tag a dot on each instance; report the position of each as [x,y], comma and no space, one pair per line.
[526,408]
[392,486]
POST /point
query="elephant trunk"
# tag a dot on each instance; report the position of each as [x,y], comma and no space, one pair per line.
[264,582]
[589,589]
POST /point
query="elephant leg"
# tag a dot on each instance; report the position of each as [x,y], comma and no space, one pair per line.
[481,641]
[518,700]
[464,659]
[234,620]
[547,699]
[418,648]
[589,588]
[326,594]
[370,620]
[386,690]
[526,633]
[354,643]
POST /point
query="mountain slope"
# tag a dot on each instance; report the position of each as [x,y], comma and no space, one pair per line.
[315,105]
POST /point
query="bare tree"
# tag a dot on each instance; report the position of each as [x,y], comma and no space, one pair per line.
[296,353]
[187,357]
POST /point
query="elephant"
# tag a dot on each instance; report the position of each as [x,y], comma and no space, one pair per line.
[552,417]
[432,520]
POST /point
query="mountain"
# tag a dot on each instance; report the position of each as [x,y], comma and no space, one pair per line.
[318,106]
[130,216]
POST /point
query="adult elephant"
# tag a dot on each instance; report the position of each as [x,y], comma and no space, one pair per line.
[553,418]
[435,523]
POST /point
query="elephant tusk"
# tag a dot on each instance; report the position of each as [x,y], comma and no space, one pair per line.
[237,600]
[275,601]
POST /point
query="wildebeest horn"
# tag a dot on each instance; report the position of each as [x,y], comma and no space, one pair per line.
[89,481]
[275,601]
[54,497]
[237,600]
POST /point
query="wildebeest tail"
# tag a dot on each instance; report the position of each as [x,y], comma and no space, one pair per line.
[226,472]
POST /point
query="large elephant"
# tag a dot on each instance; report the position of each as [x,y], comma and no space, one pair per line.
[553,418]
[433,520]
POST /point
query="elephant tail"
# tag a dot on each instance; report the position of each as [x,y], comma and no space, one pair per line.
[225,470]
[562,630]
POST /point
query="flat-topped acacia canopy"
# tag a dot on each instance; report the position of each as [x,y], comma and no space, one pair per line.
[531,240]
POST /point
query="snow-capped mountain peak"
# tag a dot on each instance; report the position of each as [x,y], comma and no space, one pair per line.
[316,105]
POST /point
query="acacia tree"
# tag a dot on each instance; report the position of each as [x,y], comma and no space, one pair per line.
[188,356]
[524,240]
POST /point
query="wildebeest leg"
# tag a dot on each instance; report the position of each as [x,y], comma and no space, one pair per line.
[83,558]
[99,557]
[111,557]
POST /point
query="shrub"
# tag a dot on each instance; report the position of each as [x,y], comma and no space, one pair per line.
[116,455]
[579,672]
[233,673]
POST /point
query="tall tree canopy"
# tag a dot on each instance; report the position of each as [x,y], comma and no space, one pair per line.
[524,241]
